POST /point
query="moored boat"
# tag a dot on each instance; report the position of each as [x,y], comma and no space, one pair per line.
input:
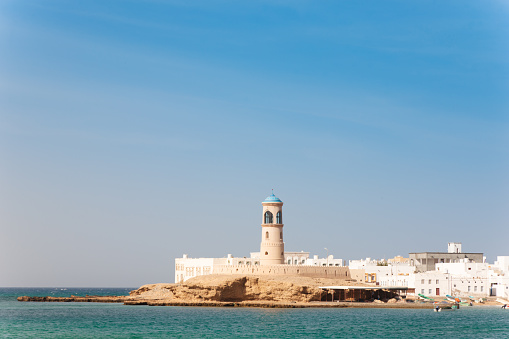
[444,305]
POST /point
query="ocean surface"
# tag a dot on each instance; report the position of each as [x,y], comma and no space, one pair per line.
[93,320]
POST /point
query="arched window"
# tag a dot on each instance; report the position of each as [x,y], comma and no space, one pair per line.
[266,253]
[266,235]
[268,217]
[279,218]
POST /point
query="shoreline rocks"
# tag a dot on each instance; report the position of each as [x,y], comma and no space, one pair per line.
[87,299]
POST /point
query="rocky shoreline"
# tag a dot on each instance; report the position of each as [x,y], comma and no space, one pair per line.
[280,304]
[73,298]
[257,304]
[239,291]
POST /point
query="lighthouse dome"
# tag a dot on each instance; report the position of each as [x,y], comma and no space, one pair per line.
[272,198]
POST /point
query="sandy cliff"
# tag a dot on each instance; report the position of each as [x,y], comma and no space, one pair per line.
[238,288]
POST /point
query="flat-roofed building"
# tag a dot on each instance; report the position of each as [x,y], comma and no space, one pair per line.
[426,261]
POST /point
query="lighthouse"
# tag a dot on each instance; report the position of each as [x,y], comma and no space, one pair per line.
[272,248]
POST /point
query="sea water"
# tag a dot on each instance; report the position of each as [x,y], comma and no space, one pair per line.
[92,320]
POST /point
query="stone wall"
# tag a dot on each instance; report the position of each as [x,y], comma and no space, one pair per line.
[331,272]
[357,274]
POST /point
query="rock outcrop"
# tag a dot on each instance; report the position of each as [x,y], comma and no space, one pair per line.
[221,290]
[73,298]
[232,288]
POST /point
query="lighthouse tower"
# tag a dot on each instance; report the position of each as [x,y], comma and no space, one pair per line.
[272,248]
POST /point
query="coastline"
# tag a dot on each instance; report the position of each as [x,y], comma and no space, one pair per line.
[126,300]
[242,291]
[269,304]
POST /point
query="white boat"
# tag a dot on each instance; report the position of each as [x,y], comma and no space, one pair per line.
[503,301]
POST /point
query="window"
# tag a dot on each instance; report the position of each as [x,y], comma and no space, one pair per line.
[296,262]
[429,291]
[482,288]
[469,288]
[289,261]
[475,288]
[422,291]
[266,253]
[279,218]
[303,261]
[266,235]
[429,282]
[438,281]
[422,282]
[268,217]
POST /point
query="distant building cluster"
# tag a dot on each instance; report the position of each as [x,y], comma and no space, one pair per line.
[453,272]
[445,273]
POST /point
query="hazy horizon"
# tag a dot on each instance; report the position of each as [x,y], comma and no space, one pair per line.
[132,132]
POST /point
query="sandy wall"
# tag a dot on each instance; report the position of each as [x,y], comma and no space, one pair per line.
[288,270]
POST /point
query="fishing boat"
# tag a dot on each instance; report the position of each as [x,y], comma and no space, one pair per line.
[444,305]
[452,299]
[422,296]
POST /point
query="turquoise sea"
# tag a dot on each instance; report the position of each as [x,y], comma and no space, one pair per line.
[93,320]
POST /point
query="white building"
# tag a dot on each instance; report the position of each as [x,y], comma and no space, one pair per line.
[383,273]
[431,283]
[361,263]
[499,278]
[186,268]
[401,279]
[461,277]
[329,261]
[502,264]
[464,279]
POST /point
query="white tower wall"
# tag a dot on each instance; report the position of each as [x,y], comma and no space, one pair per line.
[454,247]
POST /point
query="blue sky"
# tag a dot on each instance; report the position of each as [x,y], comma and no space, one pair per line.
[132,132]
